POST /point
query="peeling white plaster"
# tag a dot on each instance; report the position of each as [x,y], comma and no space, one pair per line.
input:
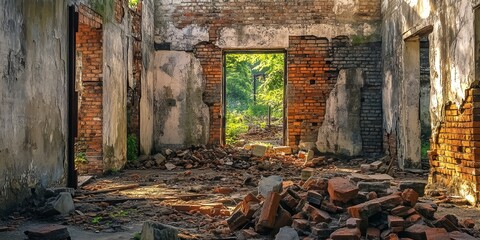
[182,39]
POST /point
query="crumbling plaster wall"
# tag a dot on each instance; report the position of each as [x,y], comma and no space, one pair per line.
[181,118]
[451,61]
[116,73]
[213,26]
[341,132]
[33,93]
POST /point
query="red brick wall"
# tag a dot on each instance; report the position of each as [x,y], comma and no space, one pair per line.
[313,67]
[89,46]
[456,155]
[210,58]
[309,85]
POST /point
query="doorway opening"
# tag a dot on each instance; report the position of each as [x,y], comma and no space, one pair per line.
[254,98]
[416,101]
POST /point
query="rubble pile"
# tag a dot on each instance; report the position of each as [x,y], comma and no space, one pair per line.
[350,207]
[254,155]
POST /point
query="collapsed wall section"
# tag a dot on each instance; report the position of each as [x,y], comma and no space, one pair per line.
[209,28]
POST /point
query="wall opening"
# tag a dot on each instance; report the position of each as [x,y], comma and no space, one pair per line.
[254,102]
[425,87]
[415,108]
[89,91]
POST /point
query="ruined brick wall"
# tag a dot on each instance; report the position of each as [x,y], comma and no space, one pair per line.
[455,158]
[313,67]
[90,114]
[210,57]
[210,27]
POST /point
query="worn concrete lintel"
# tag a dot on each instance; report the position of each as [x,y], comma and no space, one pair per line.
[259,36]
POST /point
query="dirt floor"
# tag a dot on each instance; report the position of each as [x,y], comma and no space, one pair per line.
[196,196]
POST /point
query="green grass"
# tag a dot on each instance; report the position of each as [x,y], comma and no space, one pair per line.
[425,149]
[132,147]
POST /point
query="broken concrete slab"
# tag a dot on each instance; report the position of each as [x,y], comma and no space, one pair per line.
[269,184]
[50,232]
[154,231]
[283,150]
[287,233]
[378,187]
[259,150]
[64,203]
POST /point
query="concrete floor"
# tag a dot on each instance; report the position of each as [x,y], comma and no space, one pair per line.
[76,233]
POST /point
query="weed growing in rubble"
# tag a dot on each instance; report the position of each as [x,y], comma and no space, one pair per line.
[97,219]
[132,147]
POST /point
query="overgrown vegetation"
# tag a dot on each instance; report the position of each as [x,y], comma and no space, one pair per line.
[133,3]
[254,85]
[80,158]
[132,147]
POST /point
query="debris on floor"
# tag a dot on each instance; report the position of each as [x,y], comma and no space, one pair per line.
[230,193]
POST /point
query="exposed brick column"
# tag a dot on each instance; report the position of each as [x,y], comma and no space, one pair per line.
[90,115]
[455,158]
[210,57]
[309,85]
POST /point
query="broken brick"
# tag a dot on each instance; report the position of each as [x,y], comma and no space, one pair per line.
[402,211]
[456,235]
[437,234]
[316,214]
[416,231]
[352,222]
[394,221]
[236,220]
[314,198]
[341,189]
[346,234]
[317,184]
[301,224]
[373,233]
[365,210]
[468,223]
[447,222]
[410,197]
[282,219]
[269,210]
[425,210]
[412,219]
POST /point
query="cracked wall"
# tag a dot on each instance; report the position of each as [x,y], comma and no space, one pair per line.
[449,26]
[181,118]
[33,89]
